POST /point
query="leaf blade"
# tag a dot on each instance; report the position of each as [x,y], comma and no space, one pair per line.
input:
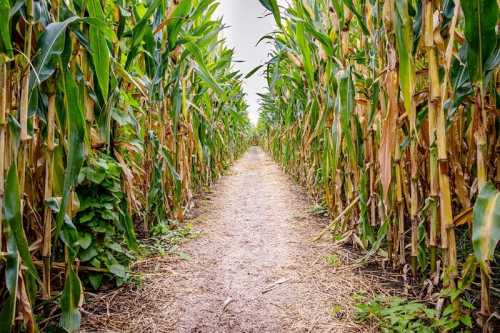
[100,52]
[13,217]
[486,223]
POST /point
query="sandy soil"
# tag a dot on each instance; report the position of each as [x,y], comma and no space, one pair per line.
[253,268]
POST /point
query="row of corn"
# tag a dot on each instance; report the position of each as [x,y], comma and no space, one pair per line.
[112,114]
[389,112]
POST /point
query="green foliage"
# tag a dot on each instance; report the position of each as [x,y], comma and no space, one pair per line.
[306,52]
[75,157]
[486,223]
[333,260]
[404,42]
[166,236]
[337,311]
[71,300]
[272,6]
[105,239]
[157,207]
[141,94]
[12,213]
[396,314]
[362,101]
[318,210]
[8,311]
[481,18]
[51,44]
[100,54]
[5,43]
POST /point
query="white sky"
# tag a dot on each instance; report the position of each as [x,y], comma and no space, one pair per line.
[246,27]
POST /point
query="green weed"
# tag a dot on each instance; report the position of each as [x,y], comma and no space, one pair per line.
[166,236]
[105,230]
[333,260]
[318,210]
[337,311]
[396,314]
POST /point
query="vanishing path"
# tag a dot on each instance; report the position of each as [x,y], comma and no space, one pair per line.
[252,269]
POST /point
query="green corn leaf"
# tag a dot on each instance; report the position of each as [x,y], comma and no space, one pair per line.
[178,16]
[201,69]
[139,31]
[202,8]
[336,144]
[306,52]
[207,77]
[324,39]
[8,312]
[128,226]
[486,223]
[76,149]
[272,6]
[339,10]
[404,42]
[266,4]
[13,217]
[481,18]
[71,299]
[345,96]
[51,44]
[170,163]
[102,26]
[253,71]
[5,43]
[349,4]
[100,51]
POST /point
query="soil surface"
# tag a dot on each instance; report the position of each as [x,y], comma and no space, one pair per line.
[253,268]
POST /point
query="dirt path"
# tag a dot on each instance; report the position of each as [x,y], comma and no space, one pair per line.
[253,269]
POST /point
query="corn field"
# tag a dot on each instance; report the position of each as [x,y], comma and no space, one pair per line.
[112,114]
[388,112]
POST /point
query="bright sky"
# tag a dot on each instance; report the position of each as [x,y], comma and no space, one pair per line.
[246,27]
